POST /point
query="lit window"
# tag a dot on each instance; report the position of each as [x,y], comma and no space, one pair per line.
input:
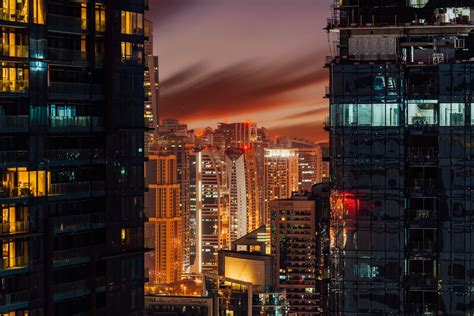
[132,23]
[451,114]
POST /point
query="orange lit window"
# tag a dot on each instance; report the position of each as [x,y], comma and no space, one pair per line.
[38,11]
[132,23]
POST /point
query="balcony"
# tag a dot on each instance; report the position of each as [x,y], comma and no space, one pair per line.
[13,158]
[14,227]
[78,288]
[423,218]
[76,223]
[14,123]
[75,123]
[13,300]
[75,255]
[76,91]
[422,249]
[422,281]
[20,51]
[419,186]
[20,16]
[76,188]
[66,24]
[14,192]
[14,86]
[67,55]
[75,156]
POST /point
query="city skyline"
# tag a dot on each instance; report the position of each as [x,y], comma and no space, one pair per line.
[238,69]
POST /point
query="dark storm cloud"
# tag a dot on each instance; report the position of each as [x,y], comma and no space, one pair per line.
[239,88]
[317,111]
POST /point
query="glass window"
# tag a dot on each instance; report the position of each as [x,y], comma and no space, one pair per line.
[451,114]
[392,115]
[472,113]
[350,115]
[422,113]
[364,115]
[132,23]
[378,114]
[38,11]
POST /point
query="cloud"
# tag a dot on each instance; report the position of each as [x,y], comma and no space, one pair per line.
[239,88]
[161,10]
[315,112]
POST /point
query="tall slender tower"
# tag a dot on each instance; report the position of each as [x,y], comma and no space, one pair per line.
[164,229]
[71,157]
[401,159]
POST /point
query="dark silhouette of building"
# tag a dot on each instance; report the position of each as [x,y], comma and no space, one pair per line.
[400,131]
[71,157]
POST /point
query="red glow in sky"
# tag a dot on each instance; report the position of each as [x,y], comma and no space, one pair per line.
[257,60]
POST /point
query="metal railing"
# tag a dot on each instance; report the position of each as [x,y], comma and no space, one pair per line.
[76,187]
[13,298]
[13,191]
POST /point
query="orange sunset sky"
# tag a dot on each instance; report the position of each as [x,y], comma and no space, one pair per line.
[236,60]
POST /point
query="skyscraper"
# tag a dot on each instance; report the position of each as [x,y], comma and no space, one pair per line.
[71,157]
[400,130]
[164,229]
[294,248]
[175,139]
[237,187]
[152,92]
[281,175]
[212,209]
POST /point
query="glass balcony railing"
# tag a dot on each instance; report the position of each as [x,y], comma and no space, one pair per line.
[69,55]
[12,192]
[76,187]
[13,156]
[13,86]
[75,121]
[14,122]
[14,51]
[14,262]
[14,15]
[66,23]
[13,298]
[75,255]
[69,90]
[76,154]
[14,227]
[78,222]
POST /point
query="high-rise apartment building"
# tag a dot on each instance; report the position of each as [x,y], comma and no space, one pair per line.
[310,161]
[237,187]
[212,209]
[71,157]
[254,190]
[281,175]
[164,228]
[152,93]
[294,248]
[401,157]
[175,139]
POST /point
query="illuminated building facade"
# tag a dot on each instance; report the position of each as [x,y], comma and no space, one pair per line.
[175,139]
[151,82]
[310,161]
[71,157]
[212,209]
[237,187]
[238,135]
[254,191]
[164,229]
[401,157]
[294,247]
[281,175]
